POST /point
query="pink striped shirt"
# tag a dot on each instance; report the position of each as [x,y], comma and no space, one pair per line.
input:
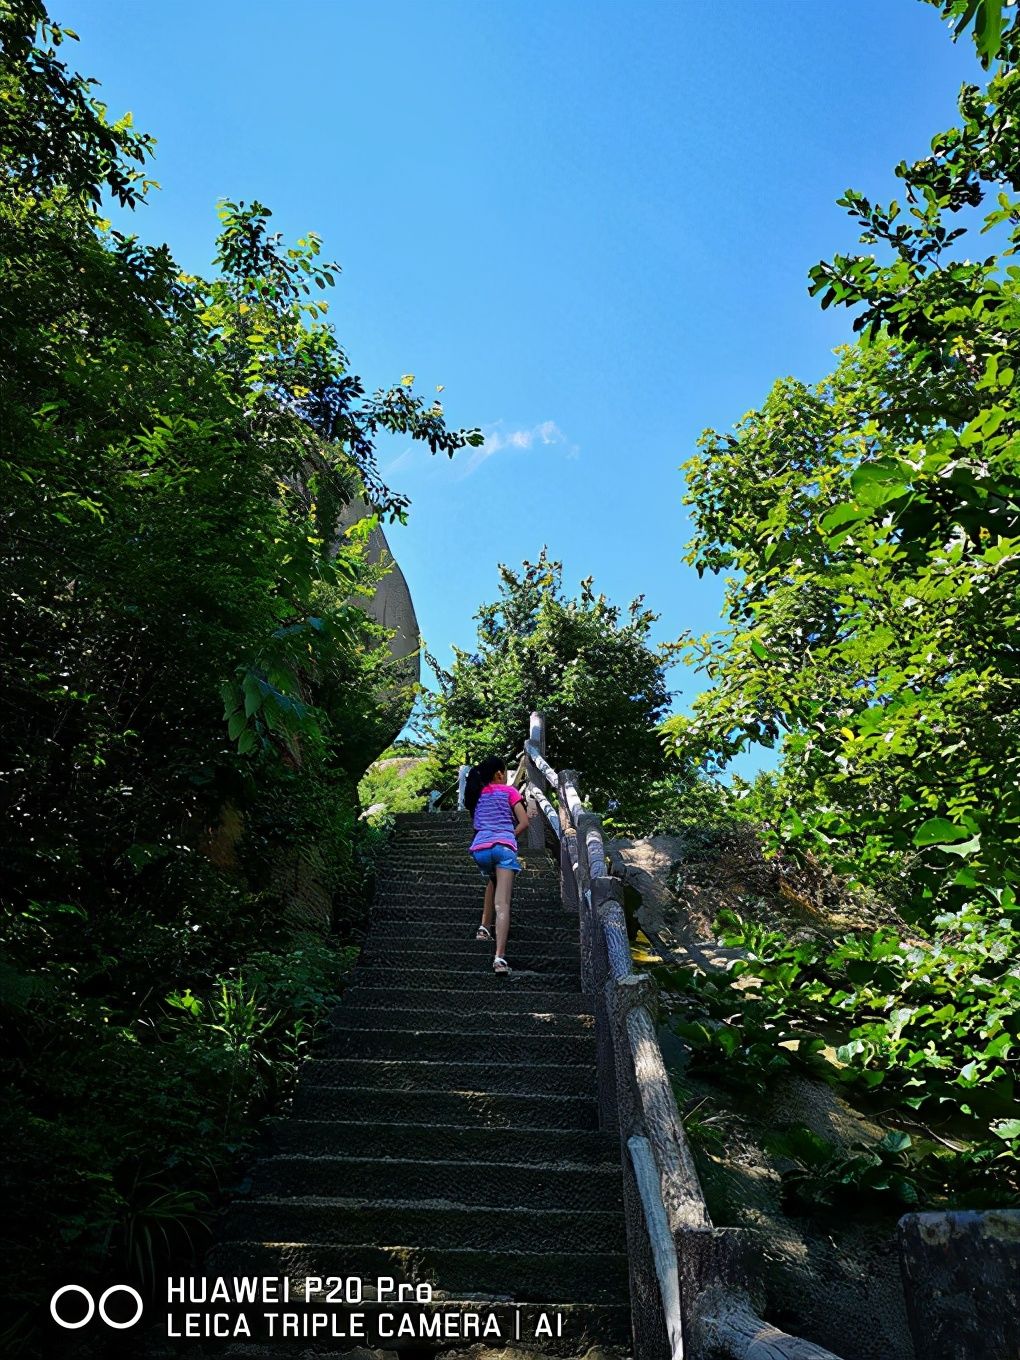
[494,817]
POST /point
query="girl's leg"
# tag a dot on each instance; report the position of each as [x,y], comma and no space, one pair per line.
[488,909]
[504,891]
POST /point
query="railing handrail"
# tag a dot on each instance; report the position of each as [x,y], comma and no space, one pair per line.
[704,1308]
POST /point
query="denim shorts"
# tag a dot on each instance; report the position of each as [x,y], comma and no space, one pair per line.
[495,857]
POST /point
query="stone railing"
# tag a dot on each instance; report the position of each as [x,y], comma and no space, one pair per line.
[688,1279]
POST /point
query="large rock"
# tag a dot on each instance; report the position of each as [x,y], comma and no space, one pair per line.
[961,1271]
[391,606]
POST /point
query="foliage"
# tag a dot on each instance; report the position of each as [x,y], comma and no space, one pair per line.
[190,688]
[926,1031]
[184,1081]
[826,1176]
[873,521]
[399,781]
[587,665]
[987,21]
[687,799]
[871,526]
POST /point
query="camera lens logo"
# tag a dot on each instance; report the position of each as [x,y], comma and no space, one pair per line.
[55,1312]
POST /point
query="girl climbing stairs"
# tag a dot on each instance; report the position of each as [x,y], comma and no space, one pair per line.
[445,1132]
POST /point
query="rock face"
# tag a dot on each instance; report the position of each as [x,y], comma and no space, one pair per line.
[391,605]
[672,926]
[961,1270]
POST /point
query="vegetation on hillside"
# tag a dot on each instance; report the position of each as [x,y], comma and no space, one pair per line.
[191,691]
[400,780]
[871,524]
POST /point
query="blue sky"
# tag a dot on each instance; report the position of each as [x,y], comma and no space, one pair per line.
[591,223]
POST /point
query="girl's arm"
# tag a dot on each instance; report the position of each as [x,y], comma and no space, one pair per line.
[520,818]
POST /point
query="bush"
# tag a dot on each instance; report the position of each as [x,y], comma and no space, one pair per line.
[587,665]
[924,1030]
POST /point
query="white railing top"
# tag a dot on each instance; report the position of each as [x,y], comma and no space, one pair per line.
[541,764]
[666,1178]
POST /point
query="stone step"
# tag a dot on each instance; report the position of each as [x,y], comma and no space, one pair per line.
[525,926]
[382,1016]
[462,879]
[456,835]
[474,1109]
[396,893]
[592,1330]
[446,1130]
[458,869]
[439,818]
[442,980]
[425,859]
[470,1185]
[465,917]
[350,1222]
[433,935]
[421,845]
[456,863]
[372,991]
[457,852]
[429,818]
[464,1045]
[552,1277]
[490,1078]
[453,830]
[441,1142]
[457,847]
[461,874]
[467,955]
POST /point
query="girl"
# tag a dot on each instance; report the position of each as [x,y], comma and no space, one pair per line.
[499,817]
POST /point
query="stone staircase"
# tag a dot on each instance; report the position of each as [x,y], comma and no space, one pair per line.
[446,1129]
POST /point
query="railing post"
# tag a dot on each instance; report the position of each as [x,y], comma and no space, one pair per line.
[665,1311]
[569,808]
[689,1295]
[462,775]
[568,859]
[610,916]
[648,1321]
[589,838]
[536,830]
[681,1189]
[598,896]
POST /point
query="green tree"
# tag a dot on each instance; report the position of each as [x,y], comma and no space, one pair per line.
[874,521]
[872,526]
[188,686]
[585,663]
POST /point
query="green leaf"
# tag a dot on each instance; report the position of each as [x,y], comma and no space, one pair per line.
[842,515]
[895,1141]
[965,848]
[252,695]
[881,480]
[988,30]
[939,831]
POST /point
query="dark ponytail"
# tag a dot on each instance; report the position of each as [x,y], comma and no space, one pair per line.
[478,776]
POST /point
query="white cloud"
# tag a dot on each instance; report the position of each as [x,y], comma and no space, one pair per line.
[401,460]
[497,439]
